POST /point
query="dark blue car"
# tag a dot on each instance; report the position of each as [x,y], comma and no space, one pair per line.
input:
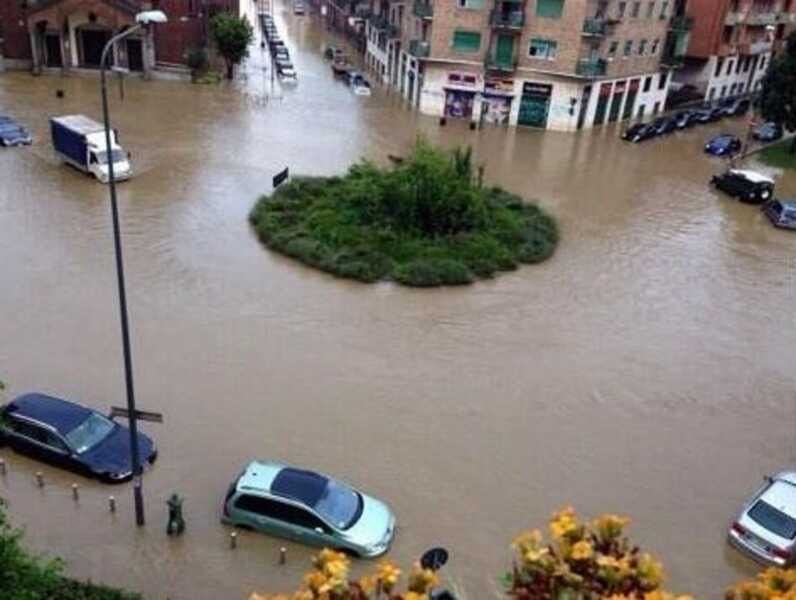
[71,436]
[12,133]
[723,145]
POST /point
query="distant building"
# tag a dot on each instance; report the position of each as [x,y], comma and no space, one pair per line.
[70,34]
[732,43]
[541,63]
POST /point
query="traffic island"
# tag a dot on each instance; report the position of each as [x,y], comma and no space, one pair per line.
[426,221]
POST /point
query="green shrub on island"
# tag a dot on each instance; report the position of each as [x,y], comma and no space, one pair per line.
[427,221]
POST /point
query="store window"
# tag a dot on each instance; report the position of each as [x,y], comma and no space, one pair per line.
[466,41]
[545,49]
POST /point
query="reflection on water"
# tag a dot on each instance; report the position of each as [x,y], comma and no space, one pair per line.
[646,369]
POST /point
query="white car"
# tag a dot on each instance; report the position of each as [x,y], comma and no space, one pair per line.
[765,529]
[298,8]
[361,88]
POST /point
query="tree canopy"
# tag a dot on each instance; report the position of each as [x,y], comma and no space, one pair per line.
[778,98]
[232,36]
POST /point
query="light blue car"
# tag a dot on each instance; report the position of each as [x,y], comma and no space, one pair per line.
[309,508]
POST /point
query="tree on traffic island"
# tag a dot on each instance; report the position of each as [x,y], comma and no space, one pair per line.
[778,97]
[232,36]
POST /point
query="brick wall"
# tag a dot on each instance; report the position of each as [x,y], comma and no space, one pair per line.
[16,42]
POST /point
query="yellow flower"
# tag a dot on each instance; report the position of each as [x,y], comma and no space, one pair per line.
[421,580]
[582,551]
[314,580]
[564,523]
[609,527]
[415,596]
[535,555]
[527,539]
[649,571]
[387,575]
[367,583]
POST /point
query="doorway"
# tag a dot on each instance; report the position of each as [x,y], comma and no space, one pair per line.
[135,55]
[52,47]
[92,41]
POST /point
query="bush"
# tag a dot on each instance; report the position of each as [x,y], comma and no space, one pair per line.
[197,61]
[425,222]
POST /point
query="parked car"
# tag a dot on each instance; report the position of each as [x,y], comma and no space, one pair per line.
[308,507]
[765,528]
[286,73]
[782,213]
[708,114]
[12,133]
[283,63]
[748,186]
[723,145]
[352,78]
[638,132]
[734,107]
[663,125]
[684,119]
[768,132]
[71,436]
[361,88]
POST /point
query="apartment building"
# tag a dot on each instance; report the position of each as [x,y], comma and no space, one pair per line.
[732,43]
[554,64]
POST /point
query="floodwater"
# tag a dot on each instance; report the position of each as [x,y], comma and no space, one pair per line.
[646,369]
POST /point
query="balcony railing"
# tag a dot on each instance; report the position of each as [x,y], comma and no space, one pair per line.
[423,9]
[595,26]
[380,23]
[733,18]
[591,67]
[493,63]
[419,48]
[681,23]
[761,18]
[509,20]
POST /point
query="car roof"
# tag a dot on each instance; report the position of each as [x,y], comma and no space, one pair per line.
[781,494]
[752,176]
[276,479]
[258,476]
[60,414]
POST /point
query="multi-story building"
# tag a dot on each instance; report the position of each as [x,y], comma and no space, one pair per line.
[70,34]
[541,63]
[732,43]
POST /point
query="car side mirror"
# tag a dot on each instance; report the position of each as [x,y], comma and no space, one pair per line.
[319,530]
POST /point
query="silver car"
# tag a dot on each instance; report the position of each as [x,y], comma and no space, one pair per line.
[766,527]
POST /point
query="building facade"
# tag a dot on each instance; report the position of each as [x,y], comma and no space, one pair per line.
[70,34]
[554,64]
[733,42]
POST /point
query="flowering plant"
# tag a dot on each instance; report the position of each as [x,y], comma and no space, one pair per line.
[771,584]
[584,561]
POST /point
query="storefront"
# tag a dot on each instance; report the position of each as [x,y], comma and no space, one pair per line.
[534,104]
[496,101]
[460,95]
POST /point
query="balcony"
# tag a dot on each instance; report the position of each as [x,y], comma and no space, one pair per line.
[595,26]
[755,47]
[381,24]
[422,9]
[761,18]
[493,63]
[419,48]
[501,19]
[681,23]
[591,67]
[733,18]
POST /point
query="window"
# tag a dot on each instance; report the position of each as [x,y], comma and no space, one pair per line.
[642,46]
[27,430]
[279,511]
[740,88]
[729,67]
[635,10]
[545,49]
[655,44]
[662,81]
[773,519]
[613,48]
[466,41]
[664,8]
[723,91]
[550,9]
[471,4]
[711,93]
[732,89]
[657,108]
[737,66]
[762,62]
[641,110]
[719,62]
[650,9]
[628,47]
[647,83]
[620,10]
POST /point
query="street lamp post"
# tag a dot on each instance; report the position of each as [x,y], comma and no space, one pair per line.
[143,19]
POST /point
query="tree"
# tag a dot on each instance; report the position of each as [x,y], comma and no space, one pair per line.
[778,98]
[232,36]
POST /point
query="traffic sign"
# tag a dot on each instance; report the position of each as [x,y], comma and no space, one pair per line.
[280,177]
[434,559]
[141,415]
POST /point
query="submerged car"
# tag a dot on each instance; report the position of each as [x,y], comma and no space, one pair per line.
[708,114]
[734,107]
[723,145]
[768,132]
[684,119]
[71,436]
[748,186]
[782,213]
[361,88]
[308,507]
[638,132]
[12,133]
[663,125]
[765,529]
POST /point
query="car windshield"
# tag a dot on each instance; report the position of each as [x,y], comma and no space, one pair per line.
[339,504]
[89,433]
[774,520]
[102,156]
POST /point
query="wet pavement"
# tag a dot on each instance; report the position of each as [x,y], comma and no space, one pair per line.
[646,369]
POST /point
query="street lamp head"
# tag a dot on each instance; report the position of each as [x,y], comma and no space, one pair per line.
[148,17]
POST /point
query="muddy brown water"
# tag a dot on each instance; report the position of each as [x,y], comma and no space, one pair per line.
[646,369]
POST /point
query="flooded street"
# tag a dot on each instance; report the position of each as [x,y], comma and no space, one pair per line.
[646,369]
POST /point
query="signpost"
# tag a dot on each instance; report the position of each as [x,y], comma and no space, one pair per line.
[280,178]
[434,559]
[141,415]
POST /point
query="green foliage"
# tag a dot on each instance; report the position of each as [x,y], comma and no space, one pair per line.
[232,36]
[778,97]
[779,155]
[24,576]
[425,222]
[197,60]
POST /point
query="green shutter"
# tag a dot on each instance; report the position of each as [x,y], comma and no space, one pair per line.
[551,9]
[466,41]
